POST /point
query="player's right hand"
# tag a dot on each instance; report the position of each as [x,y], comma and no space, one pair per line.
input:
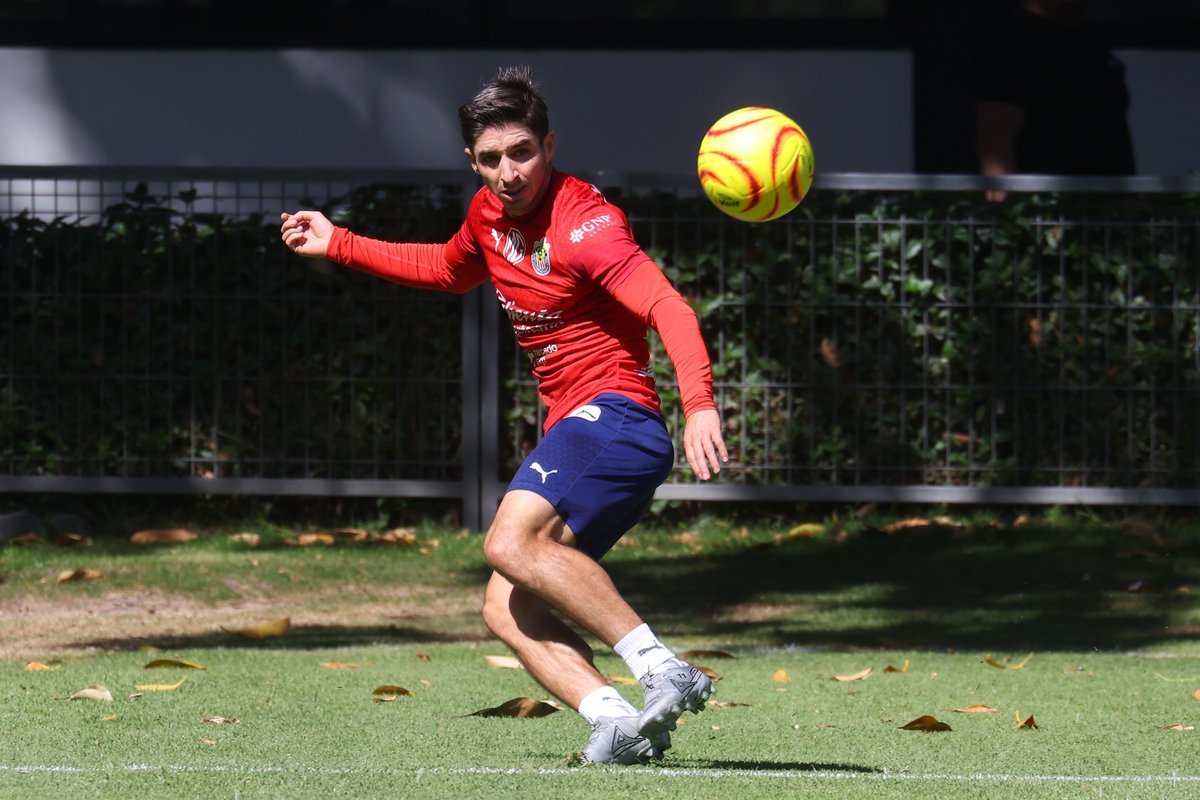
[306,233]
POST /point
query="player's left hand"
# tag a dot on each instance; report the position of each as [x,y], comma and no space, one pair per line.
[703,443]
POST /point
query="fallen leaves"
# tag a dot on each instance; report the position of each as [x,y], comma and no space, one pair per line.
[1178,726]
[926,724]
[692,655]
[339,665]
[781,676]
[38,666]
[162,663]
[219,720]
[518,708]
[95,691]
[79,574]
[991,662]
[160,687]
[163,536]
[976,709]
[1029,723]
[265,630]
[503,662]
[388,693]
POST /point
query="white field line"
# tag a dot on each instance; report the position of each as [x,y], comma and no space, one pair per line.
[799,775]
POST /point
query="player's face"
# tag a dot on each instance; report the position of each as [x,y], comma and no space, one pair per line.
[514,165]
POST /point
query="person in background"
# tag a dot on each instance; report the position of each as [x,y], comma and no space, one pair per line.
[1050,99]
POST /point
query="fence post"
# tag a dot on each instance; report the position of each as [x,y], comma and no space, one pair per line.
[480,408]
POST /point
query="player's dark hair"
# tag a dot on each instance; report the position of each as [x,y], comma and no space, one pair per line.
[510,97]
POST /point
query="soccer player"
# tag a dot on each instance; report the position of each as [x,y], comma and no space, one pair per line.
[580,294]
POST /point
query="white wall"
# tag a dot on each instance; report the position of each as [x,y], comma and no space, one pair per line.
[617,111]
[1164,109]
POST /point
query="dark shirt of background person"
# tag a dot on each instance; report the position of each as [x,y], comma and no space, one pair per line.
[1050,99]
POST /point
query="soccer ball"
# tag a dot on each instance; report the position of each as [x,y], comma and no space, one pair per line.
[755,164]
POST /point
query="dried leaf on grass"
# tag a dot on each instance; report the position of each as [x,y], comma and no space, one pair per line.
[94,691]
[518,708]
[246,538]
[1029,723]
[161,687]
[311,539]
[976,709]
[338,665]
[927,724]
[806,530]
[890,668]
[689,655]
[724,704]
[504,662]
[1178,726]
[78,574]
[68,539]
[781,676]
[1196,694]
[219,720]
[161,663]
[388,693]
[352,534]
[401,536]
[624,680]
[38,666]
[162,536]
[265,630]
[991,662]
[861,675]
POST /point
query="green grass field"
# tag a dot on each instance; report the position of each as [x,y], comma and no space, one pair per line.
[1105,609]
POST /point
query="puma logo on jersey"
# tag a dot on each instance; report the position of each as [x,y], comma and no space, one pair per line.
[536,467]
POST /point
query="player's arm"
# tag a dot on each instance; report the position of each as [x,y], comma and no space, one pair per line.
[648,294]
[998,125]
[422,266]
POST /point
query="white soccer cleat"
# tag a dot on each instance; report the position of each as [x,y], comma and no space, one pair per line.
[616,740]
[670,692]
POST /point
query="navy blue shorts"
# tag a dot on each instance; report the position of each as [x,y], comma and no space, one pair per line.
[599,467]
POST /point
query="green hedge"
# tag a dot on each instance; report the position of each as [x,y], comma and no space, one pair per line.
[908,338]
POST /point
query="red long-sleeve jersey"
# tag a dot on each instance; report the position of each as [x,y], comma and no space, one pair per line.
[578,289]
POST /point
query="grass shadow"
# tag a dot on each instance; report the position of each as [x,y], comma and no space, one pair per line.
[928,589]
[299,637]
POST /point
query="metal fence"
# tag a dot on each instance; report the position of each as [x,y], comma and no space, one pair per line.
[894,339]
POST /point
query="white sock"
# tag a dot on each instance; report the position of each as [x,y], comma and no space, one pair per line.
[605,702]
[643,652]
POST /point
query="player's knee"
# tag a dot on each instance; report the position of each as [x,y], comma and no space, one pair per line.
[498,617]
[501,548]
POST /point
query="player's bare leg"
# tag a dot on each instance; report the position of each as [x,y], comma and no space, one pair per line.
[529,546]
[555,655]
[525,545]
[561,661]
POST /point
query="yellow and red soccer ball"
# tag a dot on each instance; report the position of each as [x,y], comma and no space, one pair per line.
[755,164]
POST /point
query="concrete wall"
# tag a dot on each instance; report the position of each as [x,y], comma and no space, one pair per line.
[613,111]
